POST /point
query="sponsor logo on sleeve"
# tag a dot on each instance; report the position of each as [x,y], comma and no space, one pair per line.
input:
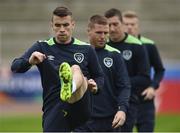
[50,57]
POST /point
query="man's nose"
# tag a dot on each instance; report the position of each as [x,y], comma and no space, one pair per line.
[111,28]
[129,26]
[102,35]
[62,29]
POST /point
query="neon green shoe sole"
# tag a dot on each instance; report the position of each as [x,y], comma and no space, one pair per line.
[65,75]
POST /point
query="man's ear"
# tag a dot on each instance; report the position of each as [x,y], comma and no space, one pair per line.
[73,24]
[88,29]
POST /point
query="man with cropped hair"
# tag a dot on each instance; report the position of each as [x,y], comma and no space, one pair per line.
[111,103]
[69,70]
[136,61]
[146,112]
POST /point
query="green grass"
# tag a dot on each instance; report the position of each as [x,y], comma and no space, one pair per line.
[20,123]
[168,123]
[164,123]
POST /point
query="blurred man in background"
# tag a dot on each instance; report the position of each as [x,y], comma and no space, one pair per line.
[111,103]
[67,67]
[136,61]
[146,116]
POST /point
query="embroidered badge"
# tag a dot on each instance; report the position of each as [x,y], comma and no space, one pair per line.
[79,57]
[127,54]
[108,62]
[50,57]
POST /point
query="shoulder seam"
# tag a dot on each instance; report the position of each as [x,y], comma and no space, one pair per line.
[49,41]
[146,40]
[133,40]
[111,49]
[79,42]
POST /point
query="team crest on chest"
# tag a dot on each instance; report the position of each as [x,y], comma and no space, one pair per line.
[108,62]
[127,54]
[79,57]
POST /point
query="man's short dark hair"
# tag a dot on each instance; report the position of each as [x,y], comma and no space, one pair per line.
[97,19]
[113,12]
[62,11]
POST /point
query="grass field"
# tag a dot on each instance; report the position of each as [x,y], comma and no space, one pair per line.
[20,123]
[164,123]
[168,123]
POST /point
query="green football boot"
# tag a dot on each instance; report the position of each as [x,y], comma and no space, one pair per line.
[65,75]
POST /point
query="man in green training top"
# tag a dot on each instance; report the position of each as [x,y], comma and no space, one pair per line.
[145,121]
[69,70]
[136,61]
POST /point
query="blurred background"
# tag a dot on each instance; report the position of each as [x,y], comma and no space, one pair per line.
[23,22]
